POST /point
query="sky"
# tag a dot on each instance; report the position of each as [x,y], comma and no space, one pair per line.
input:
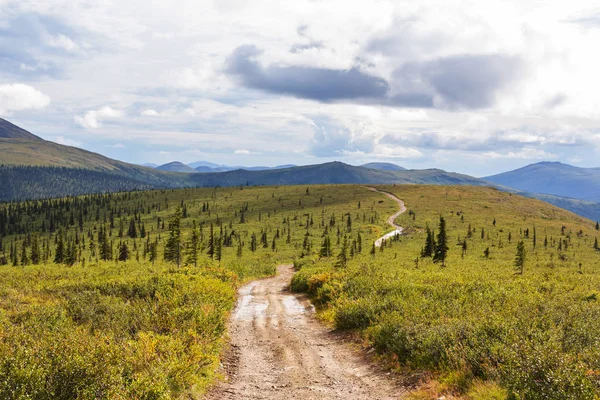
[477,87]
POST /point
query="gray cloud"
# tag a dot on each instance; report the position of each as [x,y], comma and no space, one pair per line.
[468,81]
[320,84]
[458,82]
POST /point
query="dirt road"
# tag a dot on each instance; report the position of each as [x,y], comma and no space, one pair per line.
[392,218]
[280,351]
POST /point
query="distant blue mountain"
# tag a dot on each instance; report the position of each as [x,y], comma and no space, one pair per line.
[383,166]
[553,178]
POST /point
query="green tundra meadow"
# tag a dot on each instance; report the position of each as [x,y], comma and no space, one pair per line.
[127,295]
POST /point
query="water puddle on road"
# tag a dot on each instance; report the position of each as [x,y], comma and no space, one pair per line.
[293,307]
[249,307]
[387,236]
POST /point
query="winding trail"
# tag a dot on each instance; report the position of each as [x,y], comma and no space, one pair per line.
[392,218]
[279,350]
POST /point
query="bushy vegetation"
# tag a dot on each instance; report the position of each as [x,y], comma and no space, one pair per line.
[514,312]
[127,295]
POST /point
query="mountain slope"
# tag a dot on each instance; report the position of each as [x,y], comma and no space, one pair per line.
[9,130]
[176,166]
[553,178]
[383,166]
[333,172]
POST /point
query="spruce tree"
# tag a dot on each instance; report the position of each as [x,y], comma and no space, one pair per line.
[192,244]
[325,250]
[35,250]
[174,245]
[123,251]
[59,253]
[520,257]
[429,248]
[441,246]
[132,231]
[211,243]
[342,258]
[218,249]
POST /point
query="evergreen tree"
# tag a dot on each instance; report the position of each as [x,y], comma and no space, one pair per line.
[71,253]
[441,246]
[152,252]
[211,243]
[191,247]
[218,249]
[342,258]
[325,250]
[59,253]
[132,231]
[123,251]
[596,243]
[253,242]
[105,250]
[35,250]
[24,258]
[520,257]
[173,245]
[429,248]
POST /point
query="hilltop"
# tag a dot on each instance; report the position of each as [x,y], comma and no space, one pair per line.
[553,178]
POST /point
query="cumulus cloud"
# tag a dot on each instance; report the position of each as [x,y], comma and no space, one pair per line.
[465,81]
[305,82]
[242,151]
[93,118]
[332,138]
[17,97]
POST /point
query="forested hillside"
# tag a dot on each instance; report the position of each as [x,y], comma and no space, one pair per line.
[20,182]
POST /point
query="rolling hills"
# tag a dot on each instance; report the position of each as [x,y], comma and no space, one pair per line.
[383,166]
[553,178]
[33,168]
[176,166]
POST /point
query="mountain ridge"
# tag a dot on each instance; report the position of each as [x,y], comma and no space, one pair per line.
[553,178]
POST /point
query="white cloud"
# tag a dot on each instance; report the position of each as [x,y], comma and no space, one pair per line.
[116,146]
[149,113]
[92,119]
[63,42]
[242,152]
[67,142]
[17,97]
